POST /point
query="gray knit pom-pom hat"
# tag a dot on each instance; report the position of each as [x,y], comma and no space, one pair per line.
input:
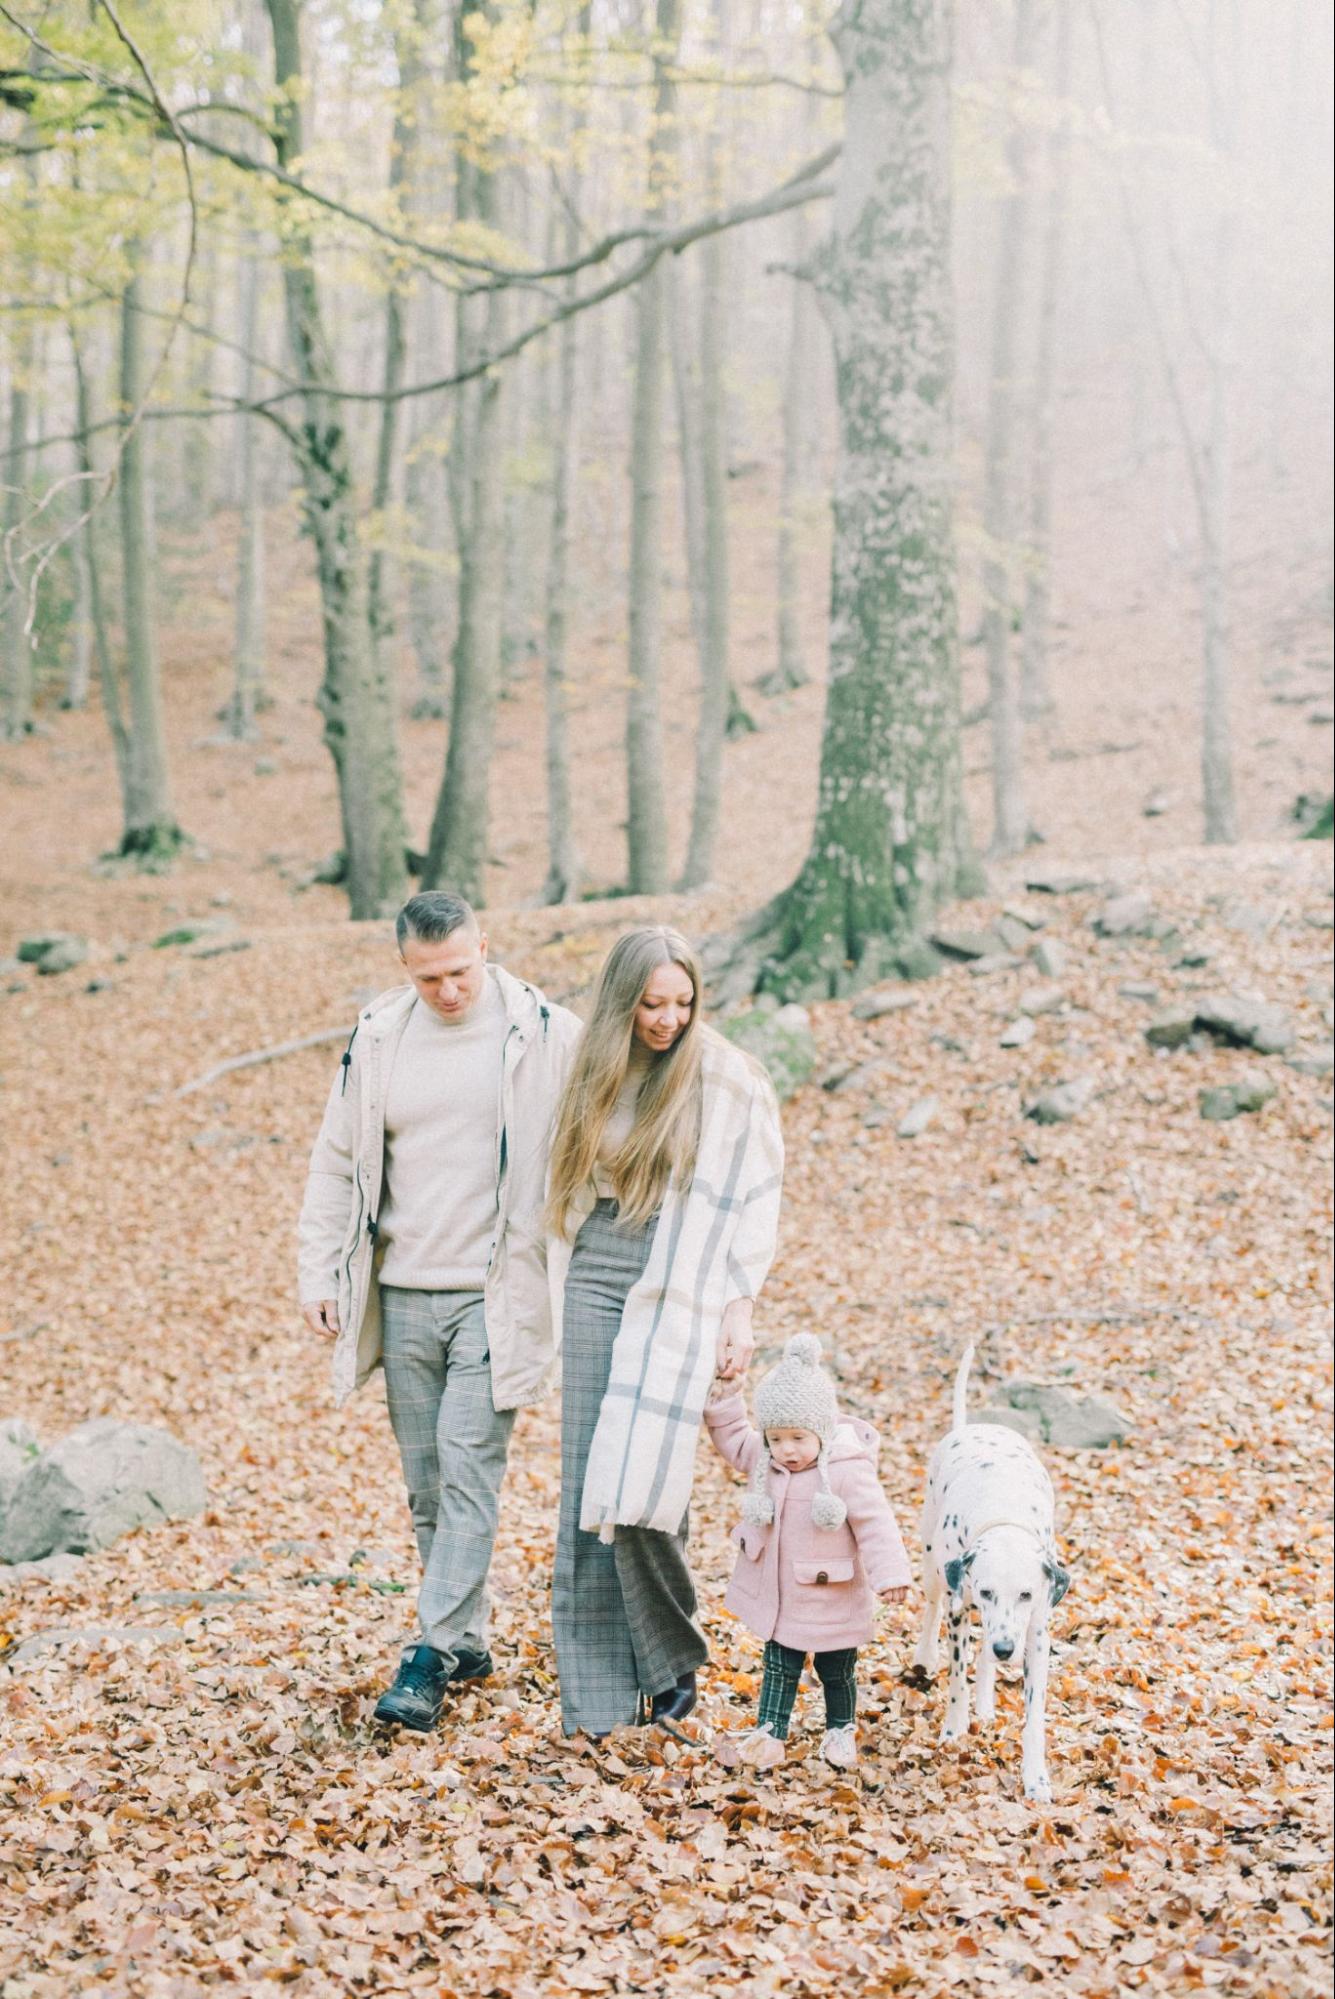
[797,1395]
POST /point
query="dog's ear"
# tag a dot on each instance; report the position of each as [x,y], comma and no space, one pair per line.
[956,1571]
[1059,1581]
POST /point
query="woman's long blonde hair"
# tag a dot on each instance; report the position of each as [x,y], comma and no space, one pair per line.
[663,1139]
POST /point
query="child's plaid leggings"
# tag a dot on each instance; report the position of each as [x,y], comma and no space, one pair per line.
[837,1672]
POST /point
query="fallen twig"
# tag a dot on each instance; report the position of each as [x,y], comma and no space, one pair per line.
[255,1056]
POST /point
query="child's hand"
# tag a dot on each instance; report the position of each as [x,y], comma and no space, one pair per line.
[894,1595]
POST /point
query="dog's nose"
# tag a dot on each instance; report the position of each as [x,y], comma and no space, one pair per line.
[1002,1647]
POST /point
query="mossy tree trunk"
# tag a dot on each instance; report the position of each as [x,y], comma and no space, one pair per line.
[151,833]
[890,843]
[357,696]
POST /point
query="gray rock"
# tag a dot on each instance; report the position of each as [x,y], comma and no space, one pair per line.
[1024,1420]
[873,1119]
[1071,1422]
[995,961]
[1125,916]
[19,1450]
[888,999]
[1013,931]
[1230,1100]
[98,1483]
[1062,881]
[1050,957]
[264,767]
[93,1634]
[1020,1033]
[917,959]
[781,1039]
[1158,802]
[917,1118]
[1139,989]
[51,1569]
[62,956]
[1173,1028]
[1192,958]
[33,949]
[1246,1021]
[221,949]
[1313,1061]
[1062,1102]
[203,1599]
[1252,919]
[1035,1000]
[1016,912]
[968,943]
[192,930]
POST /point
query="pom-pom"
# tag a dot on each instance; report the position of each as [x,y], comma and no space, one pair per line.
[804,1348]
[758,1509]
[828,1510]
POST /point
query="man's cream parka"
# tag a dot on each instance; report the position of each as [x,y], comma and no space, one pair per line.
[337,1231]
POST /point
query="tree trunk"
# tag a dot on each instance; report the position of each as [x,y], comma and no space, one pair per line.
[151,833]
[646,806]
[790,669]
[356,699]
[715,682]
[13,592]
[565,869]
[1010,820]
[1035,678]
[890,842]
[80,676]
[112,705]
[458,849]
[248,652]
[1221,816]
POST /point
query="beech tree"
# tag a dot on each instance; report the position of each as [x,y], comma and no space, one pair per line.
[890,843]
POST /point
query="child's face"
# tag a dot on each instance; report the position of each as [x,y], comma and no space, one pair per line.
[793,1450]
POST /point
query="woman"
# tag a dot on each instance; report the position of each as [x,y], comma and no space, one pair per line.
[666,1173]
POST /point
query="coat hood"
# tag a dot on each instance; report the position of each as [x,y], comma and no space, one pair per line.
[525,1007]
[855,1439]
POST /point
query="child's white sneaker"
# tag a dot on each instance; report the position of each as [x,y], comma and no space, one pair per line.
[761,1748]
[839,1747]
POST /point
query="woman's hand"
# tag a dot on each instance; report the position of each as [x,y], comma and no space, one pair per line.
[736,1341]
[893,1595]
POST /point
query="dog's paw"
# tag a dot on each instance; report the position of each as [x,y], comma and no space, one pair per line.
[954,1731]
[1038,1790]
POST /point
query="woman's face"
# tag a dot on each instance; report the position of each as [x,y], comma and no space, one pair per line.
[665,1008]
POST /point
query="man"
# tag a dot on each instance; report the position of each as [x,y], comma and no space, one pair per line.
[422,1248]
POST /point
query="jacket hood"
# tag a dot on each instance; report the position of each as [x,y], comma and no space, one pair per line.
[855,1439]
[524,1004]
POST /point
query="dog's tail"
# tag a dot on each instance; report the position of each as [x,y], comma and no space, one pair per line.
[959,1412]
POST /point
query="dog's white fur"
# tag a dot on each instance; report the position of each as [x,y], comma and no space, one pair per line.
[988,1540]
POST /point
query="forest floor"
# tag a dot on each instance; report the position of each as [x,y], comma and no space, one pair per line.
[207,1807]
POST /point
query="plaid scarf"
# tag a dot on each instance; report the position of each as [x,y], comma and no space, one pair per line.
[714,1243]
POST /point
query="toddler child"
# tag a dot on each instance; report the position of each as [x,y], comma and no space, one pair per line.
[817,1543]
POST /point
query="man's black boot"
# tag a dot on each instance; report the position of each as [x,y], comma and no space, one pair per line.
[470,1666]
[418,1693]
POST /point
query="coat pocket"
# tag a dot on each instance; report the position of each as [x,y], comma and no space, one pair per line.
[835,1569]
[751,1540]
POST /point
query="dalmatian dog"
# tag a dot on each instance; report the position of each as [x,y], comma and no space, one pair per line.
[988,1542]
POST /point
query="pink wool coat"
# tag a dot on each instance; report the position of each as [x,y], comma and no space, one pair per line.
[810,1587]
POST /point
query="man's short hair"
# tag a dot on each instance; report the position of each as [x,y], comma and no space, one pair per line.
[432,916]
